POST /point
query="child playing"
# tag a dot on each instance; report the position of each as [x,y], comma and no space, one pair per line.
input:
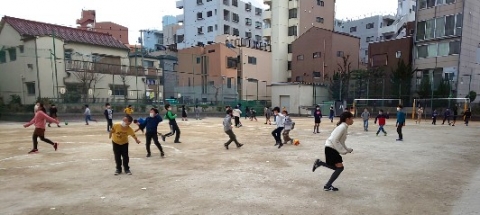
[288,127]
[419,115]
[268,115]
[119,135]
[173,124]
[467,115]
[381,122]
[400,122]
[184,113]
[108,116]
[53,113]
[128,110]
[39,122]
[197,112]
[365,117]
[318,117]
[434,117]
[446,116]
[455,114]
[334,146]
[138,122]
[151,125]
[280,125]
[236,115]
[227,127]
[88,115]
[332,113]
[253,115]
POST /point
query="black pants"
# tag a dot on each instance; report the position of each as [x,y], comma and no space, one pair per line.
[276,134]
[399,131]
[446,119]
[232,137]
[109,124]
[237,121]
[121,151]
[154,136]
[434,120]
[42,138]
[174,130]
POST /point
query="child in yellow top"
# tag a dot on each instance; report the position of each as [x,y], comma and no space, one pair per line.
[119,135]
[128,110]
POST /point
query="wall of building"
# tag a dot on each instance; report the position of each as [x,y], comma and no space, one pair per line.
[280,40]
[260,71]
[152,39]
[308,11]
[296,96]
[170,34]
[169,20]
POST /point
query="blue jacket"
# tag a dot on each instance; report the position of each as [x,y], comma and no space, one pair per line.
[400,117]
[151,123]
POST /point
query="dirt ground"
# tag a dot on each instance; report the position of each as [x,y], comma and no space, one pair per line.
[436,170]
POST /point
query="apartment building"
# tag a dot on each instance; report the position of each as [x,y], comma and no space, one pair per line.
[379,27]
[447,44]
[152,40]
[285,21]
[88,21]
[168,20]
[51,61]
[149,66]
[203,20]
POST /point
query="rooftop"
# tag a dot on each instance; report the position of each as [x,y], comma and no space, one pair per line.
[34,28]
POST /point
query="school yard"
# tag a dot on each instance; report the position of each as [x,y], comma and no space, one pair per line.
[436,170]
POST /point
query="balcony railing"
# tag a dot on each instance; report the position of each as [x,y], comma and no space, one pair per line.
[112,69]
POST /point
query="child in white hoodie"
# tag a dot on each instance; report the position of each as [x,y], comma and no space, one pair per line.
[334,146]
[236,114]
[280,126]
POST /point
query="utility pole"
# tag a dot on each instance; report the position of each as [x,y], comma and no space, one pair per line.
[341,86]
[143,66]
[432,89]
[55,63]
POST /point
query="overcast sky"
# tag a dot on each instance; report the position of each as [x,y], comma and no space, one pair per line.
[147,14]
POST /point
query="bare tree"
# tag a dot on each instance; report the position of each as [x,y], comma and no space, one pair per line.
[345,71]
[87,78]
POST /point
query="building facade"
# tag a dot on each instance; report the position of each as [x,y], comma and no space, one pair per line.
[88,21]
[285,21]
[203,20]
[153,80]
[152,40]
[169,20]
[318,53]
[447,42]
[73,66]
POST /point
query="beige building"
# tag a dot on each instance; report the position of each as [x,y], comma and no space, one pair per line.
[285,21]
[228,70]
[447,44]
[52,61]
[153,74]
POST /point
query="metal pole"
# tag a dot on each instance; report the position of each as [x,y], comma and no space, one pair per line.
[432,89]
[341,86]
[136,72]
[143,63]
[55,63]
[383,92]
[51,66]
[257,90]
[38,70]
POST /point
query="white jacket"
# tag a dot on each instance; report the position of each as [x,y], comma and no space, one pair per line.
[337,139]
[237,112]
[280,120]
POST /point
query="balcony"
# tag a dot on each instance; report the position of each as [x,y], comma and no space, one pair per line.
[180,18]
[389,30]
[267,14]
[293,4]
[267,32]
[179,4]
[269,2]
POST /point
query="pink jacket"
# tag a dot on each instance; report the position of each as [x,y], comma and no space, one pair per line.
[39,120]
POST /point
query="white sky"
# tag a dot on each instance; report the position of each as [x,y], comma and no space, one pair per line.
[147,14]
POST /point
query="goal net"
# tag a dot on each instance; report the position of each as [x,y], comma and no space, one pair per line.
[374,105]
[440,105]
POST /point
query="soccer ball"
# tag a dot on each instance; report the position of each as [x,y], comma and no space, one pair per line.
[296,142]
[66,123]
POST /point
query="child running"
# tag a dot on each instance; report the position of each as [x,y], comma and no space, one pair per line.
[365,117]
[39,122]
[434,117]
[184,113]
[280,125]
[467,115]
[108,116]
[151,125]
[334,146]
[317,114]
[88,115]
[119,135]
[419,115]
[197,112]
[53,113]
[455,114]
[332,113]
[381,122]
[400,122]
[236,114]
[268,115]
[227,126]
[128,110]
[138,122]
[288,127]
[173,124]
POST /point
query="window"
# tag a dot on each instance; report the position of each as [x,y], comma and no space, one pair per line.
[366,52]
[339,53]
[258,38]
[421,30]
[248,7]
[229,83]
[369,39]
[440,29]
[454,48]
[211,51]
[12,52]
[21,48]
[443,49]
[236,32]
[449,25]
[231,62]
[30,88]
[258,25]
[118,90]
[319,19]
[226,2]
[398,54]
[209,14]
[316,74]
[248,34]
[235,17]
[200,30]
[300,57]
[216,27]
[292,31]
[148,64]
[199,2]
[258,11]
[252,60]
[198,60]
[432,50]
[289,48]
[353,29]
[370,25]
[226,29]
[432,3]
[292,13]
[199,15]
[248,21]
[438,49]
[289,65]
[320,3]
[458,24]
[226,15]
[317,55]
[210,28]
[235,3]
[3,57]
[430,29]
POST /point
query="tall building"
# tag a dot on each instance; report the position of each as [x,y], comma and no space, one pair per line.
[285,21]
[379,27]
[169,20]
[203,20]
[88,21]
[152,40]
[447,46]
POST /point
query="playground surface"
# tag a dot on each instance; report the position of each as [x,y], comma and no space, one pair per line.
[436,170]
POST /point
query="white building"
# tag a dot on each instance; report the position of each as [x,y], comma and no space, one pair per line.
[203,20]
[72,65]
[379,27]
[285,21]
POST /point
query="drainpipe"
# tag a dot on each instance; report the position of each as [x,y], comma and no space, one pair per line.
[38,70]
